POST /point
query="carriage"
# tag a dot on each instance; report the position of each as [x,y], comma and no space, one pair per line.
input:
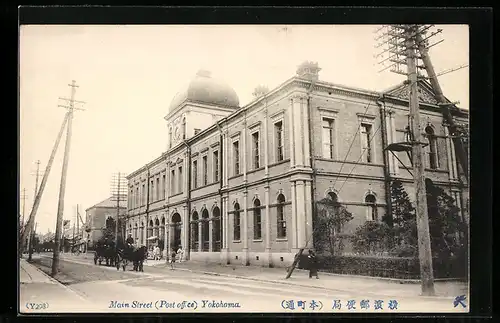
[105,252]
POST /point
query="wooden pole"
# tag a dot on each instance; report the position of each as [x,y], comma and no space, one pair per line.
[62,187]
[38,198]
[30,246]
[424,241]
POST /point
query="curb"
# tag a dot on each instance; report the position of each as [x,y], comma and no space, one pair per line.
[56,282]
[308,286]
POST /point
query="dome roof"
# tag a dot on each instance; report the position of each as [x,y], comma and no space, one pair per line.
[205,89]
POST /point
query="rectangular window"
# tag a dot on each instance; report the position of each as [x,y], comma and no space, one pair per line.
[144,196]
[255,148]
[328,138]
[366,138]
[157,188]
[163,184]
[257,224]
[216,166]
[205,170]
[236,157]
[137,197]
[195,174]
[151,191]
[278,130]
[172,182]
[180,180]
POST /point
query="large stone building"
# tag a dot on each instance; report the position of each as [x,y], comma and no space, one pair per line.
[237,183]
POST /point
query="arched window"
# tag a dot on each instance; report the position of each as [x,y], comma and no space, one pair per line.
[216,230]
[432,150]
[205,231]
[257,221]
[157,229]
[142,232]
[150,229]
[184,128]
[237,223]
[162,231]
[195,232]
[371,211]
[281,216]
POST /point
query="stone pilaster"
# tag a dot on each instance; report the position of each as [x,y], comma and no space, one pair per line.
[267,257]
[265,136]
[450,154]
[291,134]
[244,149]
[308,215]
[200,235]
[305,131]
[301,216]
[225,232]
[244,255]
[297,130]
[185,233]
[294,234]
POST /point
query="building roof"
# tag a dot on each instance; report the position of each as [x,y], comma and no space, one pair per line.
[109,203]
[203,88]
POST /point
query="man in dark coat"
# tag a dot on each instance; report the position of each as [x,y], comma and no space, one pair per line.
[313,265]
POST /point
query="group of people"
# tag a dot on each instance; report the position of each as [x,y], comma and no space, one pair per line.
[156,254]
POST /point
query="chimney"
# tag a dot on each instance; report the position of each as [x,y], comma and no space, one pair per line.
[308,70]
[259,91]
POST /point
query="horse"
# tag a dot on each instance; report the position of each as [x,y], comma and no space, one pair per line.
[106,251]
[134,255]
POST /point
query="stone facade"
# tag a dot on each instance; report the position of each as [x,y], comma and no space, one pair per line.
[96,218]
[241,189]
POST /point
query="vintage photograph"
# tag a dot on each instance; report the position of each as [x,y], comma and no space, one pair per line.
[244,168]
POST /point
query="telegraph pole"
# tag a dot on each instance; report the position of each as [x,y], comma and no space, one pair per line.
[62,187]
[402,46]
[22,226]
[31,232]
[118,193]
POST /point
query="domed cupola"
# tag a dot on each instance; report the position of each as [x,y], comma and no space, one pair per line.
[205,89]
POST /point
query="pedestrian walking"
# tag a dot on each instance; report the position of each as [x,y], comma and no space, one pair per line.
[172,260]
[313,265]
[180,253]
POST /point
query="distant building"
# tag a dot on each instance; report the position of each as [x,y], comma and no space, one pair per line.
[97,215]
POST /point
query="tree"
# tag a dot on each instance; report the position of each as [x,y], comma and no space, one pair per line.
[371,238]
[331,216]
[405,236]
[446,227]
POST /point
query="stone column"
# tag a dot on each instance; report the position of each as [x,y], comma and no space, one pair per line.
[185,232]
[268,256]
[200,242]
[291,134]
[165,235]
[266,138]
[226,160]
[308,216]
[210,233]
[300,215]
[244,255]
[294,219]
[297,129]
[305,131]
[225,245]
[167,184]
[243,149]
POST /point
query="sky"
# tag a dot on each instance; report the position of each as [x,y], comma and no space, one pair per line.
[127,76]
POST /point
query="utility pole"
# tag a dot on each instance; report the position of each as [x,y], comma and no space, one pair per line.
[31,232]
[73,244]
[118,193]
[38,198]
[62,188]
[403,48]
[22,226]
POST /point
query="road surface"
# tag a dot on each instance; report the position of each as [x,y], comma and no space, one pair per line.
[164,290]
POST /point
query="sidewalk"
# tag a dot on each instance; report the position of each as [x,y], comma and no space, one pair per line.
[40,293]
[371,286]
